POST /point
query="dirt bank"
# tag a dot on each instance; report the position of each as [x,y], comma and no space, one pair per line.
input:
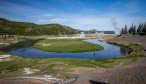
[131,74]
[141,40]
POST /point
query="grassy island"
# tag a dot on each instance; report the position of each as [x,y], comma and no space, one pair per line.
[66,45]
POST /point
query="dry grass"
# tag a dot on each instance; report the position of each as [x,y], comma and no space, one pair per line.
[22,81]
[126,39]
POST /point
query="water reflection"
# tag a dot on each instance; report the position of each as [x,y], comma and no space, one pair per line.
[124,51]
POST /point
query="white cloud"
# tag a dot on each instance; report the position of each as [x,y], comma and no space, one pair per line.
[90,18]
[99,22]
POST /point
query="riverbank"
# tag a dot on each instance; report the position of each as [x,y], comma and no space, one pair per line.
[134,73]
[61,68]
[127,39]
[54,65]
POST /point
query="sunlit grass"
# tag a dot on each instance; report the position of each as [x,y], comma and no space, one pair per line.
[66,45]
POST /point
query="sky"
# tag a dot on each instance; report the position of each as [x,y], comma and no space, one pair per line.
[80,14]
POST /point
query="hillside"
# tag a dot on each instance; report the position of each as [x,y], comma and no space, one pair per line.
[26,28]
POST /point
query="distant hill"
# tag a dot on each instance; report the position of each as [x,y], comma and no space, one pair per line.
[93,31]
[109,32]
[26,28]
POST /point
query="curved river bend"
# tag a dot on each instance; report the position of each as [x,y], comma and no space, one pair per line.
[110,51]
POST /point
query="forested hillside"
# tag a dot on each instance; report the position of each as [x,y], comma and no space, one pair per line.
[25,28]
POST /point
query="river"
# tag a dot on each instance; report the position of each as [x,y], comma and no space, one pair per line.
[110,51]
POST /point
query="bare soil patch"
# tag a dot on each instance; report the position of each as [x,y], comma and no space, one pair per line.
[131,74]
[22,81]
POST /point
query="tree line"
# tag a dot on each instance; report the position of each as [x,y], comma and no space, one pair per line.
[140,30]
[11,28]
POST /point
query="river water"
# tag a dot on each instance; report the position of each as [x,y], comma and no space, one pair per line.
[110,51]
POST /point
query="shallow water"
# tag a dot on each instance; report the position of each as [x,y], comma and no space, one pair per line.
[110,51]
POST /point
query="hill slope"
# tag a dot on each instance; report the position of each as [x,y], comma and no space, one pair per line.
[26,28]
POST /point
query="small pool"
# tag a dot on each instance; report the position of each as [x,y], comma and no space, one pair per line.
[110,51]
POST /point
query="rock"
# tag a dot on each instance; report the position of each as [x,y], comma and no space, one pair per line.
[28,71]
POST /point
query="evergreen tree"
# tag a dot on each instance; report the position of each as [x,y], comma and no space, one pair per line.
[134,30]
[144,29]
[131,29]
[139,29]
[125,31]
[122,31]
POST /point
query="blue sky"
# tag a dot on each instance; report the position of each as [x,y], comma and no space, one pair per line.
[79,14]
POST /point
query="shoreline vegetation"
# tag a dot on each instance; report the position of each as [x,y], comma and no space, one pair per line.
[62,66]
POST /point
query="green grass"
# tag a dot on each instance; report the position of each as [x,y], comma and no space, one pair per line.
[50,65]
[58,65]
[66,45]
[2,52]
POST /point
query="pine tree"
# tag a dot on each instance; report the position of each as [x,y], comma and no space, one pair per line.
[131,29]
[125,30]
[122,31]
[139,29]
[134,30]
[144,29]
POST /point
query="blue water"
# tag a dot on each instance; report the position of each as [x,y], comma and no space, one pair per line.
[110,51]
